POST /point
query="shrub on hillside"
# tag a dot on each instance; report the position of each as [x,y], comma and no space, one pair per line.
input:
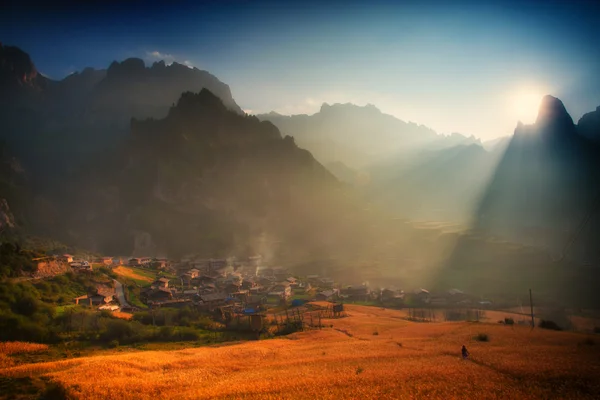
[165,333]
[545,324]
[187,334]
[587,342]
[125,332]
[482,337]
[14,260]
[109,272]
[17,327]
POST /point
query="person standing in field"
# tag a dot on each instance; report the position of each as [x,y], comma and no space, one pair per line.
[465,352]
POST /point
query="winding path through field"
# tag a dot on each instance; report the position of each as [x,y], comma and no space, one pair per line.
[121,294]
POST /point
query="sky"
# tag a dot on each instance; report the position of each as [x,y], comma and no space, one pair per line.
[471,67]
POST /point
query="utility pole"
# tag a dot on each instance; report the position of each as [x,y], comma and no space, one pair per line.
[531,304]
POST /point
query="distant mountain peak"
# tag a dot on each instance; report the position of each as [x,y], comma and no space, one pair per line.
[348,107]
[16,66]
[589,125]
[159,65]
[552,112]
[126,67]
[203,100]
[162,81]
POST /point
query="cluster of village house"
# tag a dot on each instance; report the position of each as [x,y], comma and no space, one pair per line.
[248,286]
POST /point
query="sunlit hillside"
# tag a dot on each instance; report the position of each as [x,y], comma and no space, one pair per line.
[371,354]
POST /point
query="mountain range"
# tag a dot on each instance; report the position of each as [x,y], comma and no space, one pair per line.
[419,174]
[360,136]
[160,160]
[91,110]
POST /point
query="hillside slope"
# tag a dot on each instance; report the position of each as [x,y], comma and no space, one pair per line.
[546,183]
[346,360]
[208,180]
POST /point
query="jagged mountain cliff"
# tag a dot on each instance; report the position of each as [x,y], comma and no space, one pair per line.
[206,179]
[91,110]
[547,182]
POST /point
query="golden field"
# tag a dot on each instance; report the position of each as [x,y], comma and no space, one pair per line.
[10,348]
[371,354]
[130,273]
[122,315]
[21,347]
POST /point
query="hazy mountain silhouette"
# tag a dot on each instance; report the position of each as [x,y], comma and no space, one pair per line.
[90,110]
[206,179]
[354,135]
[589,125]
[496,144]
[441,185]
[102,159]
[132,89]
[18,73]
[545,186]
[199,176]
[546,182]
[401,161]
[343,172]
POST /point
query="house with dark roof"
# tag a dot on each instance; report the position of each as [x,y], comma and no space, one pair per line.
[106,260]
[157,294]
[101,296]
[255,300]
[328,295]
[283,287]
[213,300]
[187,294]
[163,282]
[160,263]
[422,295]
[391,294]
[231,288]
[357,292]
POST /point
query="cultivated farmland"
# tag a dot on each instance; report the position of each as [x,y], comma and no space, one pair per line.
[371,354]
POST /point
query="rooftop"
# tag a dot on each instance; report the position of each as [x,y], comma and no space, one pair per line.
[213,296]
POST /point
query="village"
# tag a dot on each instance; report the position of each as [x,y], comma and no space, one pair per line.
[242,286]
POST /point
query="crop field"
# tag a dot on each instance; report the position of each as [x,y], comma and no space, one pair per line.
[371,354]
[134,273]
[12,348]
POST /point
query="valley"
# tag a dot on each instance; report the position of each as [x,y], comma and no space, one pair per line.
[396,201]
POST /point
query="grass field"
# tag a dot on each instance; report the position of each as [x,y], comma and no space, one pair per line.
[61,309]
[371,354]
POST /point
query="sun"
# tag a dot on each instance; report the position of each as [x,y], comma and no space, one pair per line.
[525,103]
